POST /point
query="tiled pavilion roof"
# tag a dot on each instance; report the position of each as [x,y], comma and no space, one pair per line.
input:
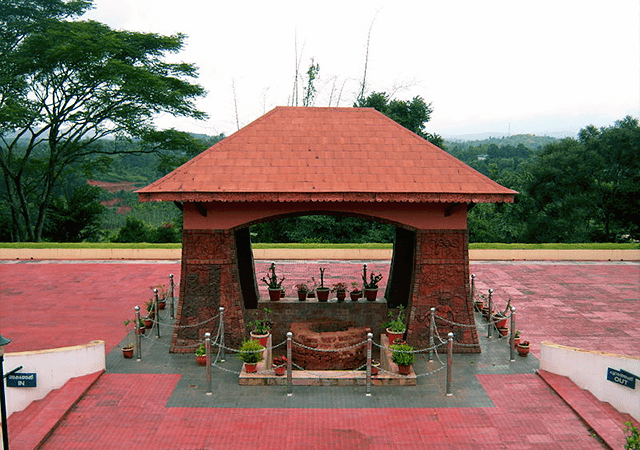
[325,154]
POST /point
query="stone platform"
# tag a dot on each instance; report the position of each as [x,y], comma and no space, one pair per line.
[387,376]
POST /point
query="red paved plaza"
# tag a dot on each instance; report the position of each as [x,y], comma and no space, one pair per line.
[46,304]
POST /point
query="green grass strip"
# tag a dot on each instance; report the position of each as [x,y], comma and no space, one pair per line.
[481,246]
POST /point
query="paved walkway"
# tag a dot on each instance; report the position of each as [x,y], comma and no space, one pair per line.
[161,403]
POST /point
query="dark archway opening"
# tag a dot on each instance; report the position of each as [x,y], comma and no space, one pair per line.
[339,228]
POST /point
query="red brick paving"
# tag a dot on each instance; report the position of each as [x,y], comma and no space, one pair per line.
[56,304]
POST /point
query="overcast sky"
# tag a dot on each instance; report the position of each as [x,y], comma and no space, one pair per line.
[485,65]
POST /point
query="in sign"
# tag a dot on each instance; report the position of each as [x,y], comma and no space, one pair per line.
[22,380]
[622,377]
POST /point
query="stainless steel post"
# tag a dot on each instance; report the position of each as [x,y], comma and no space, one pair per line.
[432,332]
[171,291]
[512,349]
[155,306]
[449,364]
[369,338]
[221,336]
[207,346]
[289,366]
[489,324]
[473,286]
[138,335]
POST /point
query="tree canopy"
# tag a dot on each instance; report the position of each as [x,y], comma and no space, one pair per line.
[66,85]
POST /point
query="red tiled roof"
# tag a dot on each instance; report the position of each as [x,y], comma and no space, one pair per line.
[325,154]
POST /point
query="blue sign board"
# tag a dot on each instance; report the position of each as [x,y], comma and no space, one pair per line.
[22,380]
[622,377]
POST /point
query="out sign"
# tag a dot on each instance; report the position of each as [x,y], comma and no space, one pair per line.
[622,377]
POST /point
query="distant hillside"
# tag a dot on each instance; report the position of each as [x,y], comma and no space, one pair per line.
[528,140]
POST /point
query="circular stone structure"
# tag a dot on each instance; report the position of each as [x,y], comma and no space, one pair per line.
[326,336]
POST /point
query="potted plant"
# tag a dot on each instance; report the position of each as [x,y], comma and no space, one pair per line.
[375,367]
[499,319]
[149,306]
[251,354]
[371,286]
[312,289]
[201,355]
[163,292]
[148,322]
[516,338]
[261,327]
[403,356]
[127,350]
[478,303]
[396,327]
[302,289]
[142,328]
[280,365]
[274,286]
[322,292]
[523,348]
[355,293]
[341,291]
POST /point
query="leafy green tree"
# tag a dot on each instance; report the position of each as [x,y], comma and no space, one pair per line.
[75,218]
[413,114]
[134,230]
[74,83]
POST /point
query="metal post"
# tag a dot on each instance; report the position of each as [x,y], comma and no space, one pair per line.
[207,346]
[369,338]
[171,290]
[490,325]
[138,335]
[3,399]
[155,291]
[221,336]
[289,366]
[473,286]
[432,332]
[449,364]
[512,349]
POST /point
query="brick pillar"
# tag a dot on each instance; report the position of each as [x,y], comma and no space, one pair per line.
[441,280]
[209,279]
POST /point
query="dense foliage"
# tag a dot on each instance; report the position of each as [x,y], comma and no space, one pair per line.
[67,84]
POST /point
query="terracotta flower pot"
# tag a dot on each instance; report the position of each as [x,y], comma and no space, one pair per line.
[201,360]
[162,304]
[302,295]
[341,295]
[355,296]
[127,352]
[280,370]
[148,323]
[392,335]
[274,294]
[323,294]
[375,367]
[262,338]
[503,331]
[404,370]
[250,368]
[522,350]
[371,294]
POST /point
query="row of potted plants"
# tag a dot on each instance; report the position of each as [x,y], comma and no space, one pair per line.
[146,322]
[499,320]
[277,291]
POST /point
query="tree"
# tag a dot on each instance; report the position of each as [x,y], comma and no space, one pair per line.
[76,217]
[412,115]
[75,83]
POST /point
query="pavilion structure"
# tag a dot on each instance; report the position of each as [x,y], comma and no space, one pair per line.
[337,161]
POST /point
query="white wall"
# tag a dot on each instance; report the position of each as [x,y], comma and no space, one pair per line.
[54,367]
[588,370]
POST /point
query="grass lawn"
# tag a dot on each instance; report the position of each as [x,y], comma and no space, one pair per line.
[497,246]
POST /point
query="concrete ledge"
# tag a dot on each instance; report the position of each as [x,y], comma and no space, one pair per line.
[314,254]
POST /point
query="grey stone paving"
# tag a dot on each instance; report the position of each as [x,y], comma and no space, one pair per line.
[227,393]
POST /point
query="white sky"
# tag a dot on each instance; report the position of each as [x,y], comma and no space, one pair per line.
[486,65]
